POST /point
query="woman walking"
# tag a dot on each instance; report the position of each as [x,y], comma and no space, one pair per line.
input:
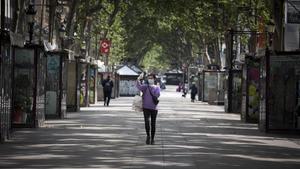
[150,94]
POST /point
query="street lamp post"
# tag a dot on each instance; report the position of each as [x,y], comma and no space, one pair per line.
[30,14]
[270,31]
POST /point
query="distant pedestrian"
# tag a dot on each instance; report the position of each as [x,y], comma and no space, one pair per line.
[107,85]
[194,91]
[151,92]
[184,90]
[179,87]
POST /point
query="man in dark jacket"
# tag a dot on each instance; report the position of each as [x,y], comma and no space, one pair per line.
[107,85]
[194,91]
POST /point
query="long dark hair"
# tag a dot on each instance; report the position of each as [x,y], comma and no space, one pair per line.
[154,78]
[153,75]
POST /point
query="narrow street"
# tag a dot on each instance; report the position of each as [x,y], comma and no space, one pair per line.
[189,136]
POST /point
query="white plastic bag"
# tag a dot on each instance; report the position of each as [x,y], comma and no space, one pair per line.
[137,104]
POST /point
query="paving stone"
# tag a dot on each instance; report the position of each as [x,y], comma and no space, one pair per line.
[189,136]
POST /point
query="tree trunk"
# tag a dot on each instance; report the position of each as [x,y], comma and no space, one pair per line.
[20,17]
[278,15]
[85,21]
[217,51]
[51,20]
[70,21]
[112,16]
[207,54]
[88,37]
[16,10]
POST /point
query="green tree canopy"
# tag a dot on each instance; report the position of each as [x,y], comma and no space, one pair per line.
[172,31]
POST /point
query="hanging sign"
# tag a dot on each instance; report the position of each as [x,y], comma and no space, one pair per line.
[105,46]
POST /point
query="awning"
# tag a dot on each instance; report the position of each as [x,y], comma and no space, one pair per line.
[126,71]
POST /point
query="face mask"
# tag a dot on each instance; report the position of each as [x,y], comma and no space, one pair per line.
[151,81]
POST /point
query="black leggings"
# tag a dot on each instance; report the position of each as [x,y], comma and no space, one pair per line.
[107,96]
[193,96]
[147,114]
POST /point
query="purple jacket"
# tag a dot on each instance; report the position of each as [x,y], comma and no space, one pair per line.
[147,98]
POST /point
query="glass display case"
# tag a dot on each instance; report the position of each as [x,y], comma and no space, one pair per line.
[279,81]
[210,84]
[28,86]
[233,91]
[213,87]
[84,84]
[92,84]
[250,90]
[55,85]
[23,86]
[72,85]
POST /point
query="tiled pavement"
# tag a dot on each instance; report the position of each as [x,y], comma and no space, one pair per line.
[189,136]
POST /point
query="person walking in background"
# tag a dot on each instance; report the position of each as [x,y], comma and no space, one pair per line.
[150,93]
[107,85]
[179,87]
[184,90]
[194,91]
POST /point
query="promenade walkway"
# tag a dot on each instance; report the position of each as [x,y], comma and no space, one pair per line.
[189,136]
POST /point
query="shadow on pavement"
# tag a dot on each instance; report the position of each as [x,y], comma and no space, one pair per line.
[189,136]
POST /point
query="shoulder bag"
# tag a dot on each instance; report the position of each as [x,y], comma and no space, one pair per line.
[154,98]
